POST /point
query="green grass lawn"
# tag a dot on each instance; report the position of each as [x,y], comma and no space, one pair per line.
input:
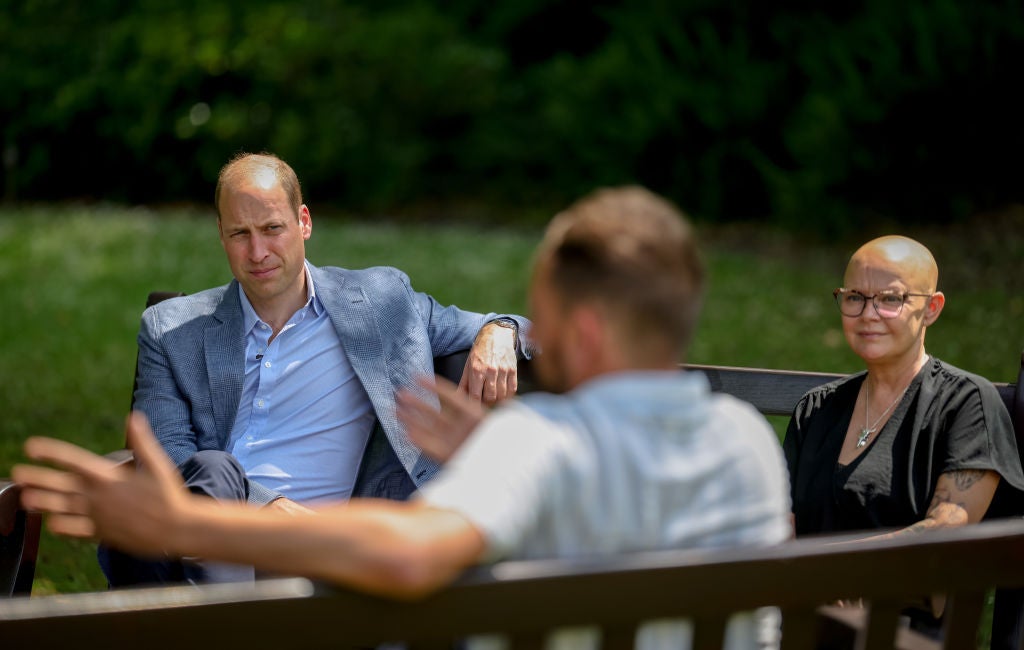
[73,281]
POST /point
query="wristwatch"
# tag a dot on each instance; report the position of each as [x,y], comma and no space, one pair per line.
[511,324]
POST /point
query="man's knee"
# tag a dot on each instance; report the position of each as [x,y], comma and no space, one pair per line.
[215,474]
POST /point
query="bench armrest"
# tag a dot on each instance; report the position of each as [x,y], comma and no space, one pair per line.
[19,542]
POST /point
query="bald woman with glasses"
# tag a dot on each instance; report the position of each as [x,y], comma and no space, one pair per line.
[911,443]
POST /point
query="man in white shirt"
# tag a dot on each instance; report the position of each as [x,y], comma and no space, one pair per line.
[635,455]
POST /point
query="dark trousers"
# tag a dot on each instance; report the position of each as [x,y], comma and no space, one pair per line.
[211,473]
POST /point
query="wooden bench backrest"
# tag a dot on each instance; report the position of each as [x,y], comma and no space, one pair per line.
[525,600]
[776,392]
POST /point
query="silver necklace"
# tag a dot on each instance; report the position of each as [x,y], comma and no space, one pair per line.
[862,439]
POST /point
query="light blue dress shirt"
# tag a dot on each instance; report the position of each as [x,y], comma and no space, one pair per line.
[304,417]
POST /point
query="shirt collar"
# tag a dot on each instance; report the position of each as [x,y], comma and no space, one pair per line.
[250,318]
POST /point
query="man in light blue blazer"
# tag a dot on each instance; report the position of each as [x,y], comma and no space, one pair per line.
[279,387]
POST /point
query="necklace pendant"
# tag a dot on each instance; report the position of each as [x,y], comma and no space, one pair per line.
[862,439]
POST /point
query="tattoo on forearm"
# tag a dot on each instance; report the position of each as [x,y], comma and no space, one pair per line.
[965,478]
[944,511]
[918,527]
[941,496]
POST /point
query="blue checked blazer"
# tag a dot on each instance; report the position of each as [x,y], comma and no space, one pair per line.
[191,366]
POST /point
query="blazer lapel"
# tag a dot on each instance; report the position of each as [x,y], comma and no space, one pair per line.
[224,348]
[352,315]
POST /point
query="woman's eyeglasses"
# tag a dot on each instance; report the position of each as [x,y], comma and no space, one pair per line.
[888,304]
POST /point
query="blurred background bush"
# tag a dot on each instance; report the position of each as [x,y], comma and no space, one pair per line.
[811,115]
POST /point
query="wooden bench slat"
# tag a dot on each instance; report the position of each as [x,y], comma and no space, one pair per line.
[772,392]
[802,629]
[879,631]
[618,638]
[963,612]
[709,631]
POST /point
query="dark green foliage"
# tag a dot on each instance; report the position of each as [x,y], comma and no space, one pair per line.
[813,115]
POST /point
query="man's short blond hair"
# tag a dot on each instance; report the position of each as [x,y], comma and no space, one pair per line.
[633,252]
[244,166]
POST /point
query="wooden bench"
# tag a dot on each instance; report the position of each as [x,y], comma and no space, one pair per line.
[526,600]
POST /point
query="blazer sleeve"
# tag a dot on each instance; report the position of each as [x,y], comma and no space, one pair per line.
[452,329]
[158,395]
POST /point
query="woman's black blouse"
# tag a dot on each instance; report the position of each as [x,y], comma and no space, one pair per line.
[947,420]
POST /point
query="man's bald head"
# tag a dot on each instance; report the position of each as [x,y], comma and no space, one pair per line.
[894,257]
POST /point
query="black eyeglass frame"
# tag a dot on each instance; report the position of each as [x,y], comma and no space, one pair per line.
[836,293]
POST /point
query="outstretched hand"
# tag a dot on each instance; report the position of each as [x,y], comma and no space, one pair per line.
[93,497]
[439,433]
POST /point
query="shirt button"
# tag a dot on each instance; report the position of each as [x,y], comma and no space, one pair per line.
[266,363]
[259,403]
